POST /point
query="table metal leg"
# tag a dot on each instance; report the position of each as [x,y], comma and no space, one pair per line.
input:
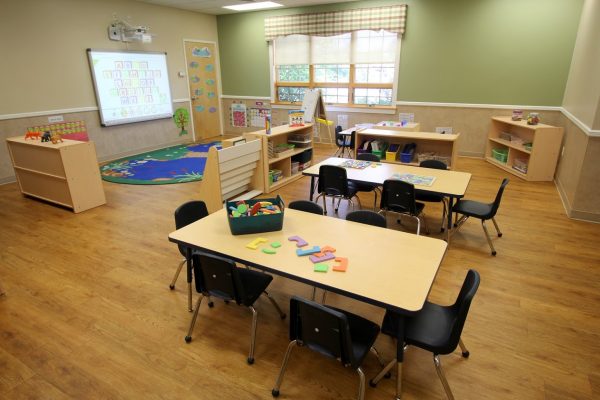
[399,356]
[312,187]
[449,226]
[188,257]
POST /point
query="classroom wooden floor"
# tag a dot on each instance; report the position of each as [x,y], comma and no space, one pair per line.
[88,313]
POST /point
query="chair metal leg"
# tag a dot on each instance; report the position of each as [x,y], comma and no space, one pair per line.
[487,236]
[463,349]
[275,391]
[361,385]
[374,351]
[398,380]
[272,300]
[252,335]
[440,372]
[172,285]
[190,309]
[444,213]
[314,295]
[496,226]
[188,338]
[324,297]
[418,224]
[373,382]
[422,217]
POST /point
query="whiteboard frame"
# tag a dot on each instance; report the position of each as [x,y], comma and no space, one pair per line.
[103,123]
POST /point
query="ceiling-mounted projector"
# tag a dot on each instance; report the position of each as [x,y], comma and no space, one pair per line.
[125,32]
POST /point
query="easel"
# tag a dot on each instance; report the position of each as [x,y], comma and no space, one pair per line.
[313,106]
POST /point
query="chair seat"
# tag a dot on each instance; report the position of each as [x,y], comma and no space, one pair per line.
[429,197]
[429,329]
[418,208]
[365,187]
[352,189]
[473,208]
[254,283]
[363,333]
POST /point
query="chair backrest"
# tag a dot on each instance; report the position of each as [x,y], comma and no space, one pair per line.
[398,196]
[306,206]
[496,203]
[339,139]
[321,329]
[433,164]
[461,308]
[187,213]
[367,217]
[333,180]
[368,157]
[218,277]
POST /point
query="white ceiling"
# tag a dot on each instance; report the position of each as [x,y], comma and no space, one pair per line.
[215,7]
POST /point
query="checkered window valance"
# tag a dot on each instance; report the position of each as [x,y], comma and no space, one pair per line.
[391,19]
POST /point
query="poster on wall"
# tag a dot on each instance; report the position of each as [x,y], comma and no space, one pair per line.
[258,115]
[238,115]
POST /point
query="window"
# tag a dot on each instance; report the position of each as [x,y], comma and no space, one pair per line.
[358,68]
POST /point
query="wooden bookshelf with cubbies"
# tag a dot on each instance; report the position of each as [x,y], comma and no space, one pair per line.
[281,137]
[435,145]
[527,151]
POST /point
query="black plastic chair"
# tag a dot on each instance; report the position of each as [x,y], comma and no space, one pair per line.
[219,277]
[333,182]
[435,328]
[399,197]
[421,195]
[345,143]
[306,206]
[185,214]
[368,187]
[331,332]
[482,211]
[367,217]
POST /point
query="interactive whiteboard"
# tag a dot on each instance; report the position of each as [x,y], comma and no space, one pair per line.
[131,86]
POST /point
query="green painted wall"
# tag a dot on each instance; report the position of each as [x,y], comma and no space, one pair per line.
[460,51]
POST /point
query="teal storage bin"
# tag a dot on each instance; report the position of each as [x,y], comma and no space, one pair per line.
[257,223]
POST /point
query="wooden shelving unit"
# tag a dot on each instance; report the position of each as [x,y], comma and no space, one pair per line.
[440,144]
[64,173]
[282,135]
[539,160]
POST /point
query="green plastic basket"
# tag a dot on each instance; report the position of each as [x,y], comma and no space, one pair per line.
[257,223]
[500,155]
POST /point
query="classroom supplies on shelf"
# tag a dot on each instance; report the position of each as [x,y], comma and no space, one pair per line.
[407,152]
[296,117]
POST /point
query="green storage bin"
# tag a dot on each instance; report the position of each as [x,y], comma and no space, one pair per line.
[257,223]
[500,155]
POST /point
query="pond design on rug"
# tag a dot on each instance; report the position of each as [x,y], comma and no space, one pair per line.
[176,164]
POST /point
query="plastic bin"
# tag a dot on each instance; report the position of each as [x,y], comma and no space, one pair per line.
[295,167]
[256,223]
[275,175]
[520,165]
[392,152]
[500,155]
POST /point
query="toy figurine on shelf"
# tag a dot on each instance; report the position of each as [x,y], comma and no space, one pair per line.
[533,119]
[46,136]
[55,138]
[517,115]
[33,135]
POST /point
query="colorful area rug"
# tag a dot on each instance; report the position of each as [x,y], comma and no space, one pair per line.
[176,164]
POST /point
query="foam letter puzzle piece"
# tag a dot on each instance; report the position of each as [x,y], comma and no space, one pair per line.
[306,252]
[325,249]
[341,264]
[321,267]
[254,244]
[316,259]
[268,250]
[275,245]
[299,241]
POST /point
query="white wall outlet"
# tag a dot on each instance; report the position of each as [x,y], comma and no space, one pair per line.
[408,117]
[113,32]
[444,129]
[55,118]
[181,74]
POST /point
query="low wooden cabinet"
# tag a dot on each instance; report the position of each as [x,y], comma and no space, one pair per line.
[527,151]
[64,173]
[443,145]
[300,136]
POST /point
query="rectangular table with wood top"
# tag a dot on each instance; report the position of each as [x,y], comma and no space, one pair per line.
[396,274]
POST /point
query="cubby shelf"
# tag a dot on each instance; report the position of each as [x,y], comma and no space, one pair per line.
[540,161]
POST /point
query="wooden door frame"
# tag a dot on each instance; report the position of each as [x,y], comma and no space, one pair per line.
[219,88]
